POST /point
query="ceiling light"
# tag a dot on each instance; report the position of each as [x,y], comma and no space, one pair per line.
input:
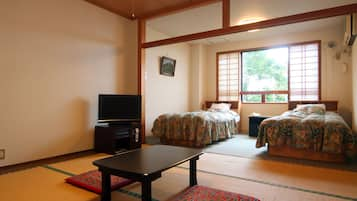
[254,30]
[249,20]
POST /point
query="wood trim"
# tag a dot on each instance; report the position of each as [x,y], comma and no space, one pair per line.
[331,105]
[234,104]
[264,92]
[247,103]
[177,8]
[226,13]
[241,75]
[54,159]
[313,15]
[319,52]
[228,52]
[305,154]
[141,73]
[269,47]
[288,74]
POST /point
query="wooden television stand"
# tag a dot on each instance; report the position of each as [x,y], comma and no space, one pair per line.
[110,138]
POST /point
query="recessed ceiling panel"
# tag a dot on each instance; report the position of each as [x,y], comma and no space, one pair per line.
[190,21]
[249,11]
[333,23]
[133,9]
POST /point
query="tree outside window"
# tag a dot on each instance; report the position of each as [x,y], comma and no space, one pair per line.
[265,75]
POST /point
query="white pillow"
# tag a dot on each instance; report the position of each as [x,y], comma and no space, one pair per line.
[311,108]
[222,107]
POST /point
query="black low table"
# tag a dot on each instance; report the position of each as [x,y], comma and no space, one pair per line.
[145,165]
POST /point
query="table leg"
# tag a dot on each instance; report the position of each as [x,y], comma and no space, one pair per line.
[106,189]
[146,190]
[193,170]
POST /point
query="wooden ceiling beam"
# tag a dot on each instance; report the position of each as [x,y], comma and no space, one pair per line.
[177,8]
[226,13]
[313,15]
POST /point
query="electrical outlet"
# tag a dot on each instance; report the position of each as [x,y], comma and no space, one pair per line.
[2,154]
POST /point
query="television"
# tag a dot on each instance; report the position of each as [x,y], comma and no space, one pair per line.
[119,108]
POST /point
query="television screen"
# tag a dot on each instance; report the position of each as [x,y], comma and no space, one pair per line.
[119,108]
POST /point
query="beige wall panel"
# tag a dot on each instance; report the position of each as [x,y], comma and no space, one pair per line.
[55,57]
[165,94]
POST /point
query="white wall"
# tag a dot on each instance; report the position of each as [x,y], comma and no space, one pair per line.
[198,63]
[336,84]
[166,94]
[56,56]
[354,87]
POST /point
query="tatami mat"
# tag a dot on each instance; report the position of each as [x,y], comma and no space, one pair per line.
[79,165]
[331,182]
[242,145]
[40,184]
[266,180]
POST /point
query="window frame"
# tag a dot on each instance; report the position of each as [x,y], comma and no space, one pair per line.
[318,42]
[264,93]
[217,72]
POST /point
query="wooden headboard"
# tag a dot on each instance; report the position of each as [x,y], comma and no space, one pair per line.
[234,104]
[330,105]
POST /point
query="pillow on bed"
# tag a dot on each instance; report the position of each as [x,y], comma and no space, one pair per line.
[311,108]
[221,107]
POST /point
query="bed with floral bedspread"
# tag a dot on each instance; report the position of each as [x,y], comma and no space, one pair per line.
[195,129]
[316,131]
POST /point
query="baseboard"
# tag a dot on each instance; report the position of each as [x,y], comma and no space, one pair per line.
[54,159]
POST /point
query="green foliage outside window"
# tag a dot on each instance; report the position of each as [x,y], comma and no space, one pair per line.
[265,70]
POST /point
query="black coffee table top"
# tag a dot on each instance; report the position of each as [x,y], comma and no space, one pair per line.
[148,160]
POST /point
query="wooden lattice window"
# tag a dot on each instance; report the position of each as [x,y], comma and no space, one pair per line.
[228,76]
[304,72]
[274,75]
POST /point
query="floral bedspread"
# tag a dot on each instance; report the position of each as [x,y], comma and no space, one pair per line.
[318,132]
[203,127]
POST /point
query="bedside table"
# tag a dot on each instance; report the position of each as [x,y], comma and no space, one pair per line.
[254,122]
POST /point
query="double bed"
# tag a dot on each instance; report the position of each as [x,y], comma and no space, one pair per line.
[197,129]
[309,130]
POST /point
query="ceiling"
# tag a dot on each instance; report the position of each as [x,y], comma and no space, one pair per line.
[133,9]
[278,31]
[205,15]
[209,17]
[194,20]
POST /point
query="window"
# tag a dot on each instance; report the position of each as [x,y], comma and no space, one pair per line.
[228,76]
[270,75]
[304,72]
[265,75]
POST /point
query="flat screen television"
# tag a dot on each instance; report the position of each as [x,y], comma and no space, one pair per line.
[119,108]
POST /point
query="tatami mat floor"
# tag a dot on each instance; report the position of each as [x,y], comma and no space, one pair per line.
[266,180]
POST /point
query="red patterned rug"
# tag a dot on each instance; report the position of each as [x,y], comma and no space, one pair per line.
[92,180]
[202,193]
